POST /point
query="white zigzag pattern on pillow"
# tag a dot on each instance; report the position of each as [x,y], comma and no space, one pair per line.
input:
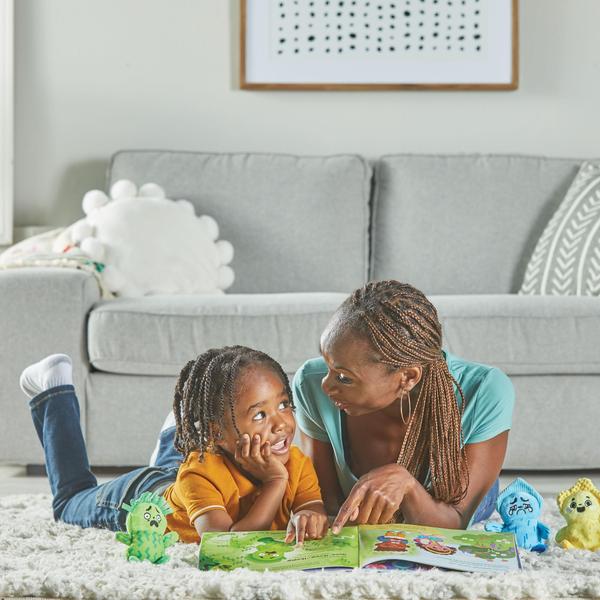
[592,282]
[594,209]
[562,278]
[531,282]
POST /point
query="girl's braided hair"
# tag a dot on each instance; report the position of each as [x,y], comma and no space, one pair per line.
[207,387]
[403,328]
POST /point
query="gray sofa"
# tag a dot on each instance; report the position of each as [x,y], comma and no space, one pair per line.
[308,230]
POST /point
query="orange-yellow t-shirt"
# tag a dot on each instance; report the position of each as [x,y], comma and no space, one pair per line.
[217,484]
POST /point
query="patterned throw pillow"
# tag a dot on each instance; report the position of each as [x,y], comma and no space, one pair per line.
[566,259]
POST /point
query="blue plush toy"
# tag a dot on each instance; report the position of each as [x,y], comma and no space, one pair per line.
[520,505]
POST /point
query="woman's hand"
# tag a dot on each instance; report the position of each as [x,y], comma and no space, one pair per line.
[375,497]
[257,460]
[306,524]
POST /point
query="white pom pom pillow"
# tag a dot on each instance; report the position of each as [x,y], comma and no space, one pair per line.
[149,244]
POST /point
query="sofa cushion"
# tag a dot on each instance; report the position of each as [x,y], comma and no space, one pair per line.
[297,223]
[531,335]
[157,335]
[520,334]
[463,224]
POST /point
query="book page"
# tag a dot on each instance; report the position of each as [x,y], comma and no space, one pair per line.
[262,550]
[402,546]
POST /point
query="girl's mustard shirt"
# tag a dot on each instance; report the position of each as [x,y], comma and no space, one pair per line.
[218,484]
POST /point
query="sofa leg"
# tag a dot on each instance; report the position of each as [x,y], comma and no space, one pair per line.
[35,470]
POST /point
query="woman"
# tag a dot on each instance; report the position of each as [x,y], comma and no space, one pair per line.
[398,429]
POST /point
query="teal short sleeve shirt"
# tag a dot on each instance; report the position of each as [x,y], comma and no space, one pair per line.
[488,391]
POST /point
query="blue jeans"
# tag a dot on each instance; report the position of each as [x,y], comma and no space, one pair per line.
[77,497]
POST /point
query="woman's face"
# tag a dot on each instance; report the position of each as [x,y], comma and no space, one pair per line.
[354,382]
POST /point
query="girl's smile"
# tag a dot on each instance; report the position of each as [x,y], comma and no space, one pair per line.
[281,447]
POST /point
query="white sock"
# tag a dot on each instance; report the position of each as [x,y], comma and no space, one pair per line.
[54,370]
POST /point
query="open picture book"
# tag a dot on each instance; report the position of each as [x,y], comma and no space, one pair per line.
[396,546]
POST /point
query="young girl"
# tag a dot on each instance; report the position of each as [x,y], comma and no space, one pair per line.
[234,425]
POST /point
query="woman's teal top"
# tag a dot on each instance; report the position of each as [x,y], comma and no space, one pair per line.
[488,391]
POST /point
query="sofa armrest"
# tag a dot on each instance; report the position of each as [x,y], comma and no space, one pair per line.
[42,311]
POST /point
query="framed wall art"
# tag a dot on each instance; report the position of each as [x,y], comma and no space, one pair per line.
[379,44]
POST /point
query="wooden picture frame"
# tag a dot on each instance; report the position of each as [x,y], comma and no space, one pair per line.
[308,45]
[6,120]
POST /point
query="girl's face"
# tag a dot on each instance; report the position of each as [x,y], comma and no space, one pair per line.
[354,383]
[262,407]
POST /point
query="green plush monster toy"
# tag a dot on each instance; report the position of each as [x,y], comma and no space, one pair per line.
[146,524]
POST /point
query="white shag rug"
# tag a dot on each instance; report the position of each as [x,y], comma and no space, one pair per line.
[39,557]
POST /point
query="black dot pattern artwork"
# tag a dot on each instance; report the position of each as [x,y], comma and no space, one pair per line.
[378,27]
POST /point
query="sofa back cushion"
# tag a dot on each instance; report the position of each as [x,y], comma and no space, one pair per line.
[297,223]
[463,224]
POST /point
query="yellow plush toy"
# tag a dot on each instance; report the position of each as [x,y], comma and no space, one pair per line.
[580,506]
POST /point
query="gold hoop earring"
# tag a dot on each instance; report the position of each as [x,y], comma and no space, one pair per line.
[405,420]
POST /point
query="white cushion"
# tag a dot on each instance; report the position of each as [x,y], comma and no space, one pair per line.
[145,243]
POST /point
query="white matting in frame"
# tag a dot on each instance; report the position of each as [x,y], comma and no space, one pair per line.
[382,43]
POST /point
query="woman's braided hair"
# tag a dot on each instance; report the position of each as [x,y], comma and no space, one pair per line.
[207,387]
[404,330]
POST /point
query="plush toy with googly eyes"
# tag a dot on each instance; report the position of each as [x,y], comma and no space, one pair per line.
[520,507]
[146,525]
[580,506]
[143,243]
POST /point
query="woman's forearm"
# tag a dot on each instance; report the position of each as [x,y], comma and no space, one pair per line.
[419,508]
[263,511]
[485,461]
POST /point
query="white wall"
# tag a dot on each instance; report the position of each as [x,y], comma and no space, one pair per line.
[94,76]
[6,119]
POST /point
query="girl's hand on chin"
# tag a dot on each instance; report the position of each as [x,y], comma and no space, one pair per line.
[375,497]
[256,458]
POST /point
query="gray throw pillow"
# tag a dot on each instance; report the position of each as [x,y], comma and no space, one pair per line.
[566,259]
